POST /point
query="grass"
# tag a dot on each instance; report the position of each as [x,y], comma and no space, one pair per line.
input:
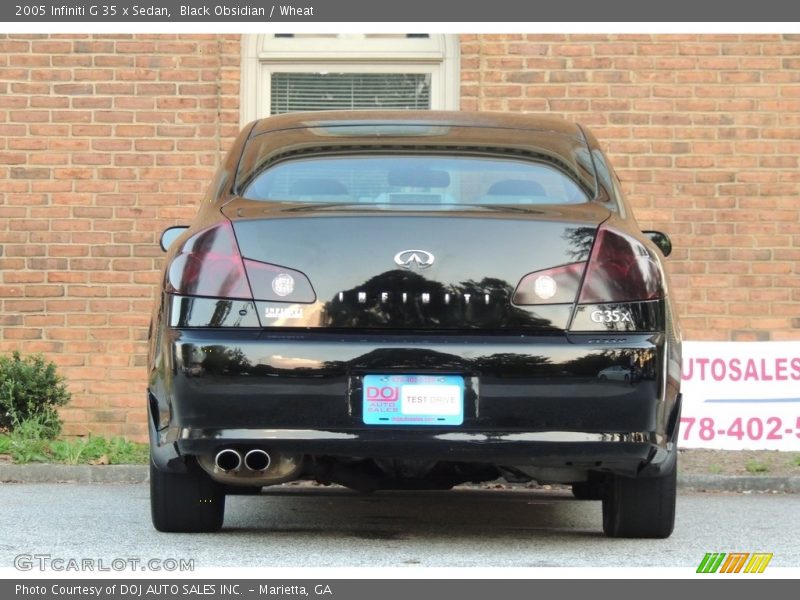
[26,443]
[114,451]
[796,461]
[755,466]
[714,469]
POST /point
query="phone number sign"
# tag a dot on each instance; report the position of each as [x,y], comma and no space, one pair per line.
[741,395]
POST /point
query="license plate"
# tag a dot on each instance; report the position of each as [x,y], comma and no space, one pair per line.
[413,400]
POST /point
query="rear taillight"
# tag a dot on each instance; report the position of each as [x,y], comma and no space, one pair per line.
[559,285]
[620,269]
[209,264]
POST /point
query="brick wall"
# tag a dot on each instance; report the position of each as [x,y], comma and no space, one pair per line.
[106,140]
[705,134]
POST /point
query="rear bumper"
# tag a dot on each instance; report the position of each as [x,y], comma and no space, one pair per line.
[620,453]
[528,400]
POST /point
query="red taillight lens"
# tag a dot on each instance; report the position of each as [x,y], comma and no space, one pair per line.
[209,264]
[620,270]
[552,286]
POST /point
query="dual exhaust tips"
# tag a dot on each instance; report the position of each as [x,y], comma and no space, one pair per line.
[229,460]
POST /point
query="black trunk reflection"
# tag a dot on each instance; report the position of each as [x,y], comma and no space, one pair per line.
[406,299]
[580,242]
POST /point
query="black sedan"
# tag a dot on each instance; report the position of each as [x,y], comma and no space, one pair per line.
[414,300]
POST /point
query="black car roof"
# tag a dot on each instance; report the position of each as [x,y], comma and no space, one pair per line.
[492,120]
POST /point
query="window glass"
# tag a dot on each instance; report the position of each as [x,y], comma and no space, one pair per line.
[414,179]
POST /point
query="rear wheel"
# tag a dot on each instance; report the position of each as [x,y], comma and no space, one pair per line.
[185,502]
[591,489]
[642,507]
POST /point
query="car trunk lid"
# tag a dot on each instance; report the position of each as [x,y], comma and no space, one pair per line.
[410,268]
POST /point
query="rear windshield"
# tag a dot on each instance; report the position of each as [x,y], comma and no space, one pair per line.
[414,179]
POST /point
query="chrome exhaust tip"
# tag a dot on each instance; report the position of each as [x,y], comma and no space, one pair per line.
[257,460]
[228,460]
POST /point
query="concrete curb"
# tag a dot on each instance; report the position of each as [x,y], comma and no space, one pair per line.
[54,473]
[738,483]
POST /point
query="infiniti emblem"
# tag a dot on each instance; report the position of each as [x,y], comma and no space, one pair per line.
[414,258]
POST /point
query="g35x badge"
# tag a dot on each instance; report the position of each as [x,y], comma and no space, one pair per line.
[611,316]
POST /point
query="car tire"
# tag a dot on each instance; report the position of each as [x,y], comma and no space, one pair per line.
[640,507]
[627,378]
[603,378]
[591,489]
[188,502]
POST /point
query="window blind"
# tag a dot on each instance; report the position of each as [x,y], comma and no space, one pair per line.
[293,92]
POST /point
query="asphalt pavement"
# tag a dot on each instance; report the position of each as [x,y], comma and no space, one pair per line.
[58,473]
[291,526]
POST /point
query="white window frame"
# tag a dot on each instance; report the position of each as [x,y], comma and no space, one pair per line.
[262,55]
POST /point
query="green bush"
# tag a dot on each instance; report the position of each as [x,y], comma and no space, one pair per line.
[30,391]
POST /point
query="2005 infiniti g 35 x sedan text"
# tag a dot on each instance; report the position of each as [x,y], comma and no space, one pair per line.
[413,300]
